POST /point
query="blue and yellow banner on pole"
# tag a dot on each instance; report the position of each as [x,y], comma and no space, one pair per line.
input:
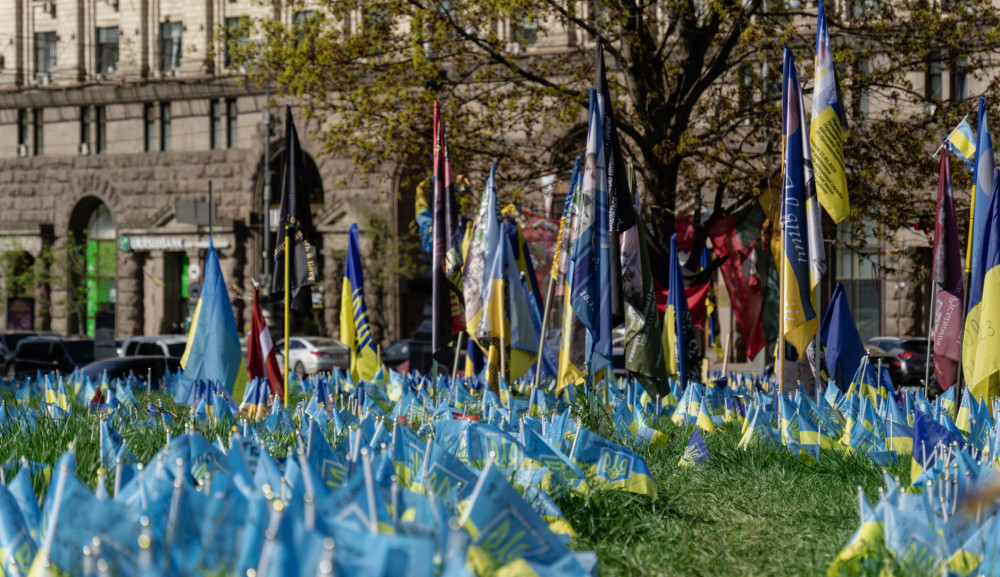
[982,186]
[829,127]
[799,225]
[981,341]
[355,330]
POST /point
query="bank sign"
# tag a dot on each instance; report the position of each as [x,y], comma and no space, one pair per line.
[164,243]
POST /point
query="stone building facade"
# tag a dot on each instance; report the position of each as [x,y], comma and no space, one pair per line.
[116,118]
[115,122]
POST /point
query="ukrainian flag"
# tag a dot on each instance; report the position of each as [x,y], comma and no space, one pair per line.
[829,127]
[674,349]
[798,300]
[962,142]
[213,351]
[982,186]
[982,333]
[355,331]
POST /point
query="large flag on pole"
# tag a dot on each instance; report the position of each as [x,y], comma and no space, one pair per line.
[829,127]
[982,186]
[620,211]
[981,340]
[564,242]
[483,225]
[679,344]
[262,359]
[355,331]
[844,347]
[446,258]
[644,354]
[213,351]
[799,224]
[948,277]
[295,212]
[591,293]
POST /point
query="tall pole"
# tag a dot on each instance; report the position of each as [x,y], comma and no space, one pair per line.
[288,312]
[265,270]
[211,209]
[544,331]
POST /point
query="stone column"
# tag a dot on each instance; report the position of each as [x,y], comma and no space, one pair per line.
[129,307]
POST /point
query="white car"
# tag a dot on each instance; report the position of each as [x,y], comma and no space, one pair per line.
[156,345]
[311,355]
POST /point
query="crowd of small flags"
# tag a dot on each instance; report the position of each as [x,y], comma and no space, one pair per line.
[405,475]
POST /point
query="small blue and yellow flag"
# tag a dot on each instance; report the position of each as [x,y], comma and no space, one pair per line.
[695,452]
[962,143]
[355,331]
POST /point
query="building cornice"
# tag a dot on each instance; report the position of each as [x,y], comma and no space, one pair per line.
[145,90]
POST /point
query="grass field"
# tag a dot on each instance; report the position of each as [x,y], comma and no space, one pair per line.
[756,512]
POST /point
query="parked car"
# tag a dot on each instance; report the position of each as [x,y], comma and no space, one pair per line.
[8,342]
[911,352]
[62,354]
[156,345]
[119,368]
[396,353]
[311,355]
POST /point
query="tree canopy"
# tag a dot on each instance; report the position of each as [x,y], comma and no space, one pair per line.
[696,84]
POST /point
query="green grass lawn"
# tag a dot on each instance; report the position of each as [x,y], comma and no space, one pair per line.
[757,512]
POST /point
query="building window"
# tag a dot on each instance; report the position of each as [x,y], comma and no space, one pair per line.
[85,122]
[149,130]
[102,130]
[215,129]
[864,101]
[165,126]
[107,50]
[932,85]
[959,81]
[232,35]
[858,270]
[45,53]
[170,45]
[303,20]
[232,123]
[38,135]
[22,128]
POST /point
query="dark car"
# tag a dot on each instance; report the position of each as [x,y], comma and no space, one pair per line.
[912,355]
[46,354]
[8,342]
[119,368]
[396,353]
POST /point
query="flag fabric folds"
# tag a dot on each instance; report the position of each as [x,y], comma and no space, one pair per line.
[213,351]
[446,257]
[801,265]
[980,361]
[679,345]
[485,230]
[829,127]
[355,330]
[844,347]
[295,213]
[262,359]
[643,339]
[696,452]
[962,142]
[948,278]
[982,188]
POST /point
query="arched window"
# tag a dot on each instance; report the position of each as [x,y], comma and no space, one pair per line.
[100,253]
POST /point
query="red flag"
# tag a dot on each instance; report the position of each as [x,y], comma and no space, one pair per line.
[948,277]
[695,296]
[746,295]
[262,360]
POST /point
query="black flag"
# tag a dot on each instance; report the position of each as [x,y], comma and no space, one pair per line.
[620,211]
[447,316]
[295,192]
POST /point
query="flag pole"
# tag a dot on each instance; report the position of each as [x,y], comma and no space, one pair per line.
[818,353]
[545,330]
[288,324]
[930,332]
[458,350]
[781,322]
[949,136]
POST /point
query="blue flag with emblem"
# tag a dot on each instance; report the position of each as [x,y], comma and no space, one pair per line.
[695,452]
[355,331]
